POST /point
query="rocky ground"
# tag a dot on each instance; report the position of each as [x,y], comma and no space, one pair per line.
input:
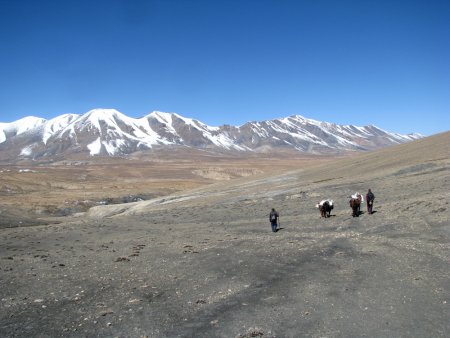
[204,262]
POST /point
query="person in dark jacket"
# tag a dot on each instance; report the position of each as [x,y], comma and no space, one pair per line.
[273,218]
[370,197]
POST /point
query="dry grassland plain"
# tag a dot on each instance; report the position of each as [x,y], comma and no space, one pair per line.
[32,191]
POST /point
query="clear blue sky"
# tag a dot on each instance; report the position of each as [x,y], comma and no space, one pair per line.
[230,61]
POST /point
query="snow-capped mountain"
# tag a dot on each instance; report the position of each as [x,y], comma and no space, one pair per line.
[109,132]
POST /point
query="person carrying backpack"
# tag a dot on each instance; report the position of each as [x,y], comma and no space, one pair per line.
[370,197]
[273,218]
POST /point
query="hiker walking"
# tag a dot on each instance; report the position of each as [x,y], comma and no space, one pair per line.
[370,197]
[273,218]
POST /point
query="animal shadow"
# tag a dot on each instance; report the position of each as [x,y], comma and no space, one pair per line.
[357,213]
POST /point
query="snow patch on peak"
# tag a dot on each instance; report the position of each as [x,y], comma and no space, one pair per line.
[57,124]
[165,118]
[302,120]
[111,147]
[197,124]
[107,115]
[103,122]
[415,136]
[28,150]
[2,132]
[25,124]
[95,147]
[103,112]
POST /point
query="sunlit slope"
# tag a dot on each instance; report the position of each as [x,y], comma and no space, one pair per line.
[427,151]
[428,157]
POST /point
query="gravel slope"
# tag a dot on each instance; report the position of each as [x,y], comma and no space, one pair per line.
[205,263]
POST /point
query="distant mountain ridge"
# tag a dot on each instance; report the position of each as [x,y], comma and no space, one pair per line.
[108,132]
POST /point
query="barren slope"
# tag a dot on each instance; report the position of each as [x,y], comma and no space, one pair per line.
[204,263]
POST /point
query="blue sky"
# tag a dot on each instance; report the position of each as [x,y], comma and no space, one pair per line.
[228,62]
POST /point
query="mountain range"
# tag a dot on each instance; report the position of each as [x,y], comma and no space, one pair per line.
[108,132]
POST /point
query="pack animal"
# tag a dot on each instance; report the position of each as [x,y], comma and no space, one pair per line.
[355,204]
[325,208]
